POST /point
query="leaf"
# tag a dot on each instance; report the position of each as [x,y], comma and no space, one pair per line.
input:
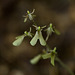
[34,39]
[35,59]
[41,39]
[52,59]
[56,31]
[18,41]
[46,56]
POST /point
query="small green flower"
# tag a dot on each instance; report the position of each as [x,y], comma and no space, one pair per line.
[38,35]
[50,55]
[29,15]
[49,31]
[19,39]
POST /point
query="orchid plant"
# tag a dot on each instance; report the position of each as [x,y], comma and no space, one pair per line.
[47,53]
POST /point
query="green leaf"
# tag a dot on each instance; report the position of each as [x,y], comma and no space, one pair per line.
[35,59]
[18,40]
[52,59]
[34,39]
[41,39]
[46,56]
[56,31]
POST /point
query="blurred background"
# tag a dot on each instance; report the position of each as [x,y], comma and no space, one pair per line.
[15,60]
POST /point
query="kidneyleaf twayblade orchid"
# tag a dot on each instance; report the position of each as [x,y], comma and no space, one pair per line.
[29,15]
[19,39]
[38,35]
[49,31]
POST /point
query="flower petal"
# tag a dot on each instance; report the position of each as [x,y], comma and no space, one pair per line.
[25,19]
[46,56]
[18,41]
[34,39]
[41,39]
[35,59]
[52,59]
[56,31]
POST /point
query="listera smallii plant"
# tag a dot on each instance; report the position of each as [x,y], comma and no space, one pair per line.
[47,53]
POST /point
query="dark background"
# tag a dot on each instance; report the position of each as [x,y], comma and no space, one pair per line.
[15,60]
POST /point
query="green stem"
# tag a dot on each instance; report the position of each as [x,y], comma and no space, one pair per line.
[64,66]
